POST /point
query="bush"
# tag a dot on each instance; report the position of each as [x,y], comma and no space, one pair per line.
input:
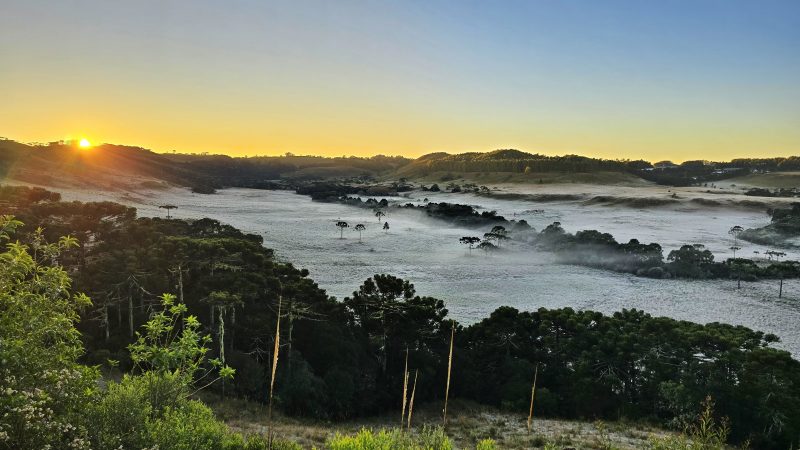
[428,439]
[191,426]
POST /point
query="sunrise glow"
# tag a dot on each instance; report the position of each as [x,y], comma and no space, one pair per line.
[84,143]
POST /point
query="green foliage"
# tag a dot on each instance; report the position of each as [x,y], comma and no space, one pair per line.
[486,444]
[705,434]
[191,426]
[395,439]
[172,344]
[43,390]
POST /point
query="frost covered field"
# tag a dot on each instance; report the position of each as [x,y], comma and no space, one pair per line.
[427,252]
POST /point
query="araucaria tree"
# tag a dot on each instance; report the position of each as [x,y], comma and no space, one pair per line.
[342,225]
[168,208]
[360,227]
[379,214]
[735,231]
[470,241]
[498,233]
[385,226]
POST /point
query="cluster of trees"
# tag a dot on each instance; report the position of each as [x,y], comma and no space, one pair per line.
[784,226]
[467,216]
[491,239]
[596,249]
[348,358]
[512,161]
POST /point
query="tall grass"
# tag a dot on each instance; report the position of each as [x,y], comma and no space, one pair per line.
[405,391]
[274,364]
[449,370]
[533,394]
[411,402]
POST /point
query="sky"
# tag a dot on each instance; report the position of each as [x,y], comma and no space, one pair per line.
[671,79]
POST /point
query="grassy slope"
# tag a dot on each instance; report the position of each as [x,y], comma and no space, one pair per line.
[107,167]
[768,180]
[468,424]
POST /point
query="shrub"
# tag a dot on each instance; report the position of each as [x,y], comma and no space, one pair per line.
[191,426]
[428,439]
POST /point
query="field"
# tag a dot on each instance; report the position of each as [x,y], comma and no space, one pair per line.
[768,180]
[468,424]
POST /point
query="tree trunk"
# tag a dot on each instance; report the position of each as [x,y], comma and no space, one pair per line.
[119,314]
[780,292]
[289,342]
[106,322]
[130,315]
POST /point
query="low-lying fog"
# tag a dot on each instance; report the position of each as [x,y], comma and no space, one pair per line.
[428,253]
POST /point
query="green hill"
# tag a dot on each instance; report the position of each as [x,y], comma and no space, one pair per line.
[515,166]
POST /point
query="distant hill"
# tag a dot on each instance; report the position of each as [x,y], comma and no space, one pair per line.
[111,166]
[511,165]
[104,166]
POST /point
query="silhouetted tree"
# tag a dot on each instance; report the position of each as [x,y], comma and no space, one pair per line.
[342,225]
[168,208]
[360,227]
[497,234]
[385,226]
[379,214]
[470,242]
[735,231]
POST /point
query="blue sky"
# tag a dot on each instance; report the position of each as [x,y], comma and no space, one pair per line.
[667,79]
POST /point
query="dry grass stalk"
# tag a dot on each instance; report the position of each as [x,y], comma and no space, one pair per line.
[411,402]
[274,365]
[449,369]
[533,394]
[405,391]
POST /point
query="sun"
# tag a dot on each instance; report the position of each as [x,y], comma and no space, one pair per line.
[84,143]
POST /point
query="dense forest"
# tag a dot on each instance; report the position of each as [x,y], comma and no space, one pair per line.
[345,358]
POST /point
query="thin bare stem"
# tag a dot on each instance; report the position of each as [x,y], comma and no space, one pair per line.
[411,402]
[274,365]
[533,394]
[405,391]
[449,369]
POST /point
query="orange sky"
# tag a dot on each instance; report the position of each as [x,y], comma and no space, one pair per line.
[367,78]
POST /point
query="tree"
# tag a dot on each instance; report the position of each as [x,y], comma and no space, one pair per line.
[497,234]
[168,208]
[360,227]
[469,241]
[735,248]
[735,231]
[379,214]
[172,344]
[342,225]
[690,261]
[385,226]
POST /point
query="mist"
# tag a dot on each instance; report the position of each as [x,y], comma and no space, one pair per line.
[426,251]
